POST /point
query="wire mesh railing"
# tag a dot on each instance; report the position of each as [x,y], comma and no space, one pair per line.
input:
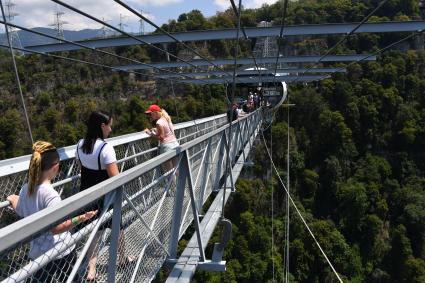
[146,209]
[130,149]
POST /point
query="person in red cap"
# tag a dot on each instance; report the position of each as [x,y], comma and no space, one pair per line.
[163,131]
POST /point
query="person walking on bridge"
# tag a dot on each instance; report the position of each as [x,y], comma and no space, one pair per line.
[37,195]
[98,162]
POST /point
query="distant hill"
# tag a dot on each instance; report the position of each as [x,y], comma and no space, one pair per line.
[28,39]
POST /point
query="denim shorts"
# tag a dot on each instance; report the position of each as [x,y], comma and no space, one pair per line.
[164,147]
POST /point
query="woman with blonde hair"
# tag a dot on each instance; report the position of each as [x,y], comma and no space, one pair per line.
[39,194]
[163,131]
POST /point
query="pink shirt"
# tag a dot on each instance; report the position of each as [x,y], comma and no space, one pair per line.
[167,129]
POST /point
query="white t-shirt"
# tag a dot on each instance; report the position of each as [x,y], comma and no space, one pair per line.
[107,156]
[43,196]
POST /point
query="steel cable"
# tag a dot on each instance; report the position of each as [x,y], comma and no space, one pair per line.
[298,211]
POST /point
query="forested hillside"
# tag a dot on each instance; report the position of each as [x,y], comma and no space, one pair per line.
[357,143]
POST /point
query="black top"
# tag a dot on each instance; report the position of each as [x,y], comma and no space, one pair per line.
[232,112]
[90,177]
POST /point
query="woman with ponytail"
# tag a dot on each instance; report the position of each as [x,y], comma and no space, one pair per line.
[38,194]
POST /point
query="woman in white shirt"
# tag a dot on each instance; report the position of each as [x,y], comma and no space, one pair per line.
[98,162]
[38,194]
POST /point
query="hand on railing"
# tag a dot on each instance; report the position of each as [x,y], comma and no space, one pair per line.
[4,204]
[13,200]
[87,216]
[150,132]
[74,221]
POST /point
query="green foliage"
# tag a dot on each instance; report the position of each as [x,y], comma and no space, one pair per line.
[357,143]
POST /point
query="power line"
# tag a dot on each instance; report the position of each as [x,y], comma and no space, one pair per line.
[58,23]
[96,50]
[298,211]
[120,31]
[77,60]
[365,19]
[168,34]
[385,48]
[246,37]
[10,15]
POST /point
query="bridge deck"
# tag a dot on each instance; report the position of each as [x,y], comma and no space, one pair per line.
[188,261]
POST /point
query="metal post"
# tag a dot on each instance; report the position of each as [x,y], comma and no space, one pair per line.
[219,162]
[235,142]
[115,235]
[204,176]
[241,139]
[228,167]
[88,243]
[193,204]
[125,156]
[177,210]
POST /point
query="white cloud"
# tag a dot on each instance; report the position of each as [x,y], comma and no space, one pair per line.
[224,4]
[258,3]
[160,3]
[40,13]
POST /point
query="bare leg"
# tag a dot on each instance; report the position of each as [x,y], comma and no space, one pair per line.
[121,248]
[92,255]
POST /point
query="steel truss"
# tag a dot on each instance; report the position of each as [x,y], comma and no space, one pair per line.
[300,30]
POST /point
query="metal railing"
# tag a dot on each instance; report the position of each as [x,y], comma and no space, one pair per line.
[147,208]
[13,172]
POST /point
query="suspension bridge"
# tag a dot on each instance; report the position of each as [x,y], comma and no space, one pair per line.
[152,207]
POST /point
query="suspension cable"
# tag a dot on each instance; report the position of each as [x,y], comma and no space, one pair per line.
[282,26]
[15,68]
[84,62]
[121,31]
[246,37]
[94,50]
[382,50]
[298,211]
[272,206]
[170,35]
[175,100]
[365,19]
[287,199]
[230,107]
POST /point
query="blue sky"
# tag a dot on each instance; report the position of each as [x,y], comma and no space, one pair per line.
[36,13]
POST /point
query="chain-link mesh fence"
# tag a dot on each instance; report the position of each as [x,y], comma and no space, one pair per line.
[130,150]
[146,199]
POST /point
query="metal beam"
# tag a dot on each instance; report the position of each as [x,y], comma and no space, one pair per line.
[256,78]
[321,29]
[250,61]
[254,72]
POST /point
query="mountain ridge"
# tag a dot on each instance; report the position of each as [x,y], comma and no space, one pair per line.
[30,39]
